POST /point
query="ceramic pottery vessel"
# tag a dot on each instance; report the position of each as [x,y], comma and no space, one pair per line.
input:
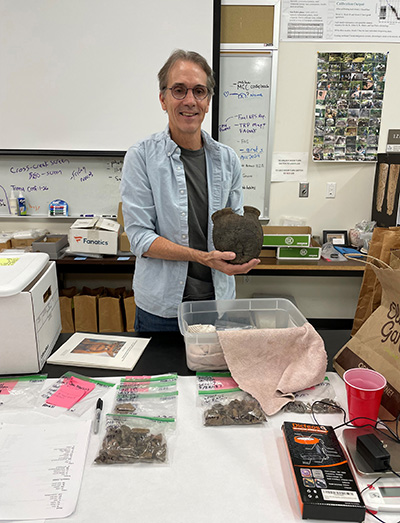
[240,234]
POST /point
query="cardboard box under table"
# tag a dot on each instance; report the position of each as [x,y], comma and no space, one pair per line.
[30,320]
[199,322]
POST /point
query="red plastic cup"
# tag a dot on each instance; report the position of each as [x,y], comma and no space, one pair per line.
[364,388]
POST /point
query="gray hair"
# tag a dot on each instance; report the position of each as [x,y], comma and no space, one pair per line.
[187,56]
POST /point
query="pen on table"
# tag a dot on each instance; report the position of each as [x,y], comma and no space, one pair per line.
[99,408]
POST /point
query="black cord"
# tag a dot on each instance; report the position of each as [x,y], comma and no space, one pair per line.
[394,436]
[329,404]
[366,488]
[370,485]
[394,472]
[374,515]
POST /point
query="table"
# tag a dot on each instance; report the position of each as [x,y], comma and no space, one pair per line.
[166,353]
[214,474]
[272,266]
[306,273]
[125,264]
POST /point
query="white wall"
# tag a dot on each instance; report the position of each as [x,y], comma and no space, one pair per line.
[295,105]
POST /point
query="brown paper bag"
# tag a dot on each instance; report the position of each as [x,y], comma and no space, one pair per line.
[376,345]
[384,240]
[67,309]
[130,311]
[395,259]
[110,311]
[85,307]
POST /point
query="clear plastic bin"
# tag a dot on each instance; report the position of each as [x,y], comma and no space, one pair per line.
[203,351]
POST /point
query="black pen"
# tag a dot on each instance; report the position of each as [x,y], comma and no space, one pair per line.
[99,408]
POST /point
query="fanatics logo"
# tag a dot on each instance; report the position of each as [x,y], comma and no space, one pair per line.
[78,238]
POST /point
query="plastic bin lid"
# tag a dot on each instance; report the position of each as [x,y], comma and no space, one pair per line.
[18,270]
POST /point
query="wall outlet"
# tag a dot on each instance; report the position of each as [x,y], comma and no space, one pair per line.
[303,190]
[331,190]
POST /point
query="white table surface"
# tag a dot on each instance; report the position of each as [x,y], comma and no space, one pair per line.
[215,474]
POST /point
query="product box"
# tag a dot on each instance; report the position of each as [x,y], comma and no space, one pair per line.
[94,235]
[30,320]
[313,252]
[120,216]
[5,241]
[53,244]
[199,322]
[124,244]
[268,252]
[278,236]
[325,486]
[21,243]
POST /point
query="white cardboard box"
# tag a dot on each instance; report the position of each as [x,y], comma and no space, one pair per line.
[30,321]
[94,235]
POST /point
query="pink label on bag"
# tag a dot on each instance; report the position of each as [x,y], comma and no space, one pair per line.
[72,391]
[224,383]
[7,386]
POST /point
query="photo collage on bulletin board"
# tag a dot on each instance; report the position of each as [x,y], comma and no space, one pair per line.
[348,106]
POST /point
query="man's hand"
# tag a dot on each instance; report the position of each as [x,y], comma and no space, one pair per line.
[167,250]
[219,260]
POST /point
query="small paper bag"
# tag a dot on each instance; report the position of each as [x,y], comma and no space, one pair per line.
[110,311]
[130,311]
[66,297]
[85,307]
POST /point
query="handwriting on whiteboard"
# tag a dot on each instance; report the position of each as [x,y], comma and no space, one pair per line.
[244,126]
[42,170]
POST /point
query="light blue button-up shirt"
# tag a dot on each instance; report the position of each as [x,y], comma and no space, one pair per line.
[154,203]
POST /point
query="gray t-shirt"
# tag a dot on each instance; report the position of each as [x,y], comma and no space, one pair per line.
[199,284]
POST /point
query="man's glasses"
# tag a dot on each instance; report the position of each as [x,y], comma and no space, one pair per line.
[180,91]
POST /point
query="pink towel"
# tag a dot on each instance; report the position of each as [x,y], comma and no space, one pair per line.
[272,364]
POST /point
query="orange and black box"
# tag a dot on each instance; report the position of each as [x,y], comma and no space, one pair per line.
[325,485]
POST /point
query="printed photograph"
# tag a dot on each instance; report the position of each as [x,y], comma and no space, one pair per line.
[349,94]
[91,346]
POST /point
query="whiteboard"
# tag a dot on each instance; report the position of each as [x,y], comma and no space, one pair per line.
[82,74]
[246,114]
[89,185]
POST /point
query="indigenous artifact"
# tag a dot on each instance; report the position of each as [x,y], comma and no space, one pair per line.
[237,412]
[131,445]
[240,234]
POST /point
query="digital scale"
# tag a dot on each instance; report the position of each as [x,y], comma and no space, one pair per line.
[384,495]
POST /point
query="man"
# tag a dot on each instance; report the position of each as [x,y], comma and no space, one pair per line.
[172,182]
